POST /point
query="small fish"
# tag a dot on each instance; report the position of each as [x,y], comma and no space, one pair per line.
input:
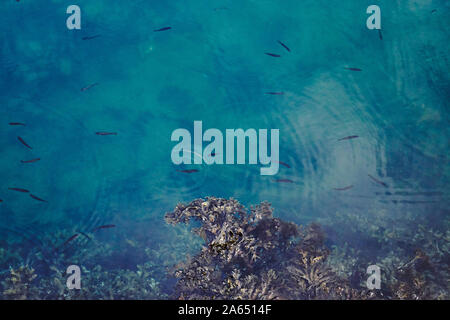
[406,193]
[30,161]
[162,29]
[89,86]
[90,37]
[188,171]
[70,239]
[1,200]
[433,11]
[273,54]
[380,34]
[348,138]
[106,226]
[24,143]
[344,188]
[407,201]
[275,93]
[378,181]
[19,190]
[353,69]
[102,133]
[36,198]
[16,124]
[85,235]
[284,180]
[284,46]
[284,164]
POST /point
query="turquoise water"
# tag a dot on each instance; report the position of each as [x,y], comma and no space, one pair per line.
[211,67]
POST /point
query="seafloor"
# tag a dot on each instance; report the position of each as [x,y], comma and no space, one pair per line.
[237,253]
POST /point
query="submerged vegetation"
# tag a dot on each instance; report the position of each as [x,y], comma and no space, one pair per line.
[252,255]
[235,253]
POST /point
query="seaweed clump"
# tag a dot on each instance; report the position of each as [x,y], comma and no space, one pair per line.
[105,274]
[17,285]
[100,284]
[411,281]
[249,254]
[412,252]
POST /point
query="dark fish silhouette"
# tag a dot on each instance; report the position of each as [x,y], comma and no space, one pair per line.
[106,226]
[406,201]
[284,164]
[1,200]
[378,181]
[353,69]
[101,133]
[89,86]
[348,138]
[406,193]
[19,190]
[273,54]
[188,171]
[284,180]
[16,124]
[30,161]
[85,235]
[162,29]
[36,198]
[24,143]
[275,93]
[90,37]
[284,46]
[433,11]
[70,239]
[344,188]
[380,34]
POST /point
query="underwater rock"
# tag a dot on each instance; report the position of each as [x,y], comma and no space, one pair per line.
[243,248]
